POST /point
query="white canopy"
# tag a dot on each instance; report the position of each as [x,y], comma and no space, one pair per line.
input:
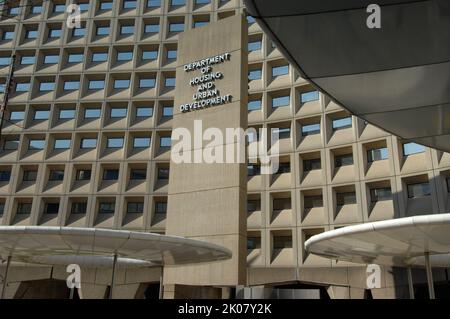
[95,247]
[397,242]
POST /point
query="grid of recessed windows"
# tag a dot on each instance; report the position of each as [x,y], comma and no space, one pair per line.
[412,148]
[417,190]
[51,208]
[342,123]
[36,9]
[310,129]
[377,154]
[66,114]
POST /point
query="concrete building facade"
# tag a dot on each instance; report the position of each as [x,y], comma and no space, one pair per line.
[86,142]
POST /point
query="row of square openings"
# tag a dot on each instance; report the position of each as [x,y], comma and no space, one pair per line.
[133,143]
[279,239]
[78,207]
[121,57]
[342,157]
[416,187]
[282,98]
[89,85]
[98,30]
[81,175]
[58,8]
[111,113]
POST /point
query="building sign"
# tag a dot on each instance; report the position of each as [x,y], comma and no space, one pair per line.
[207,93]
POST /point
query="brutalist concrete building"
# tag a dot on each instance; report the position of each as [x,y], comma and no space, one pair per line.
[86,142]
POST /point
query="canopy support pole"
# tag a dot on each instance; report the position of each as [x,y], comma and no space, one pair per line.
[161,285]
[410,283]
[113,276]
[5,277]
[429,276]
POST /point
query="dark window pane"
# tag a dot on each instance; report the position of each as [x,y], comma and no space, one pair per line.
[110,174]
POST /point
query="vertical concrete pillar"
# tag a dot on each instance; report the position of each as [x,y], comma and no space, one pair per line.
[207,201]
